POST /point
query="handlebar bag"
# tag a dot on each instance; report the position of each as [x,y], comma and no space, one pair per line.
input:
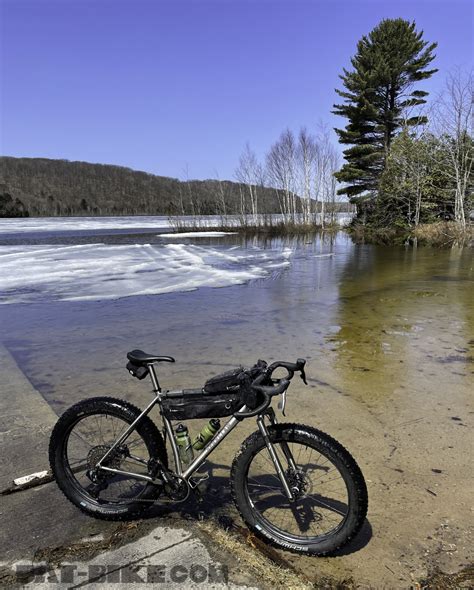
[230,380]
[196,403]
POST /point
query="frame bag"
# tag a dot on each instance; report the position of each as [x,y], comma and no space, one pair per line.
[196,403]
[221,396]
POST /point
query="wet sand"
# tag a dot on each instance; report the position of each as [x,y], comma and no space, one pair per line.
[389,338]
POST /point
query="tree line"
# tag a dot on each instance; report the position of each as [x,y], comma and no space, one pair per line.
[45,187]
[300,168]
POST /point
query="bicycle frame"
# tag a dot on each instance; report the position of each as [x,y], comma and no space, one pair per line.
[199,460]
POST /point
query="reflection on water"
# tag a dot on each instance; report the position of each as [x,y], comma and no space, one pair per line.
[401,315]
[370,320]
[389,338]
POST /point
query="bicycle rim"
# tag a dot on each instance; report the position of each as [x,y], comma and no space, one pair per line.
[88,440]
[322,501]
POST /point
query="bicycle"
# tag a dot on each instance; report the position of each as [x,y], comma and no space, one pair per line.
[294,486]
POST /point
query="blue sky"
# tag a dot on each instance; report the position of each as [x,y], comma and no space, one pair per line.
[161,86]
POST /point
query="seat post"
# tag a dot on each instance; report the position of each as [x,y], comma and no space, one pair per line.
[154,378]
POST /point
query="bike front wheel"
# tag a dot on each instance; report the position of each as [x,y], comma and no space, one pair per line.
[330,495]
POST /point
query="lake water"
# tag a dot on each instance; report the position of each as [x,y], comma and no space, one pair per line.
[87,290]
[388,334]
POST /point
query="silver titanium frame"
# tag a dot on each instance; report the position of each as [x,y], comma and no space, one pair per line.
[199,460]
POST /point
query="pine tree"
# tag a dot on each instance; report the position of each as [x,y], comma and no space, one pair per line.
[379,100]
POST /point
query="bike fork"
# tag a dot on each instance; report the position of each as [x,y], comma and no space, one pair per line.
[274,457]
[284,445]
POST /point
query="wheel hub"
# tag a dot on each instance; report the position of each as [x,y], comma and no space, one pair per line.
[298,482]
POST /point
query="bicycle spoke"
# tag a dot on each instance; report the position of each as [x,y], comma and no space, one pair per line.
[312,513]
[89,441]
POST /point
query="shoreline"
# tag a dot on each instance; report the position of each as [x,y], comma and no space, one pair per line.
[437,235]
[265,230]
[440,235]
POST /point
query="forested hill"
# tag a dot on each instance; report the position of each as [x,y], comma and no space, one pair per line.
[39,186]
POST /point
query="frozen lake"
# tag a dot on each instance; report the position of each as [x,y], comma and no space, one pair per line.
[111,271]
[34,225]
[89,258]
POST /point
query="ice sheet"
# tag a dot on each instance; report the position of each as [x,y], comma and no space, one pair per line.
[105,271]
[54,224]
[198,234]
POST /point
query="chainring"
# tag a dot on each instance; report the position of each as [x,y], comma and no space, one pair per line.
[178,490]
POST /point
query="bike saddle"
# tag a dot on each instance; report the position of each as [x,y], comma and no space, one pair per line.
[138,357]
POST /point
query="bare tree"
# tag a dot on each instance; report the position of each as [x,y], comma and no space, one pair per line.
[326,164]
[280,169]
[221,205]
[453,121]
[195,204]
[250,173]
[306,155]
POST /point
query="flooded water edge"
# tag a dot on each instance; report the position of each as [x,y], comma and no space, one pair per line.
[389,338]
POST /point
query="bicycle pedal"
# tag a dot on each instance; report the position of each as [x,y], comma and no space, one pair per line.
[195,481]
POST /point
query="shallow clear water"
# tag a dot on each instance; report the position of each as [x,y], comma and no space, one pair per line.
[388,334]
[367,318]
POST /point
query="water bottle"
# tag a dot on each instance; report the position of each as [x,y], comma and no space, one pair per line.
[184,444]
[206,434]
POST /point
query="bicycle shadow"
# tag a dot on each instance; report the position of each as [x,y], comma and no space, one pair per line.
[213,500]
[359,542]
[209,499]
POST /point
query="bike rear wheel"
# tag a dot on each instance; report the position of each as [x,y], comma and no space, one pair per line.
[83,435]
[330,493]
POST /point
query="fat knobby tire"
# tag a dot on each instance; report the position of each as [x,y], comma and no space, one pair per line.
[67,483]
[330,448]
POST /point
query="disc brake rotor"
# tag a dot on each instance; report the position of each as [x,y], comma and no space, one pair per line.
[299,483]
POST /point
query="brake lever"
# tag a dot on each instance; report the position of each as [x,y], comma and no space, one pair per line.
[282,403]
[303,376]
[300,363]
